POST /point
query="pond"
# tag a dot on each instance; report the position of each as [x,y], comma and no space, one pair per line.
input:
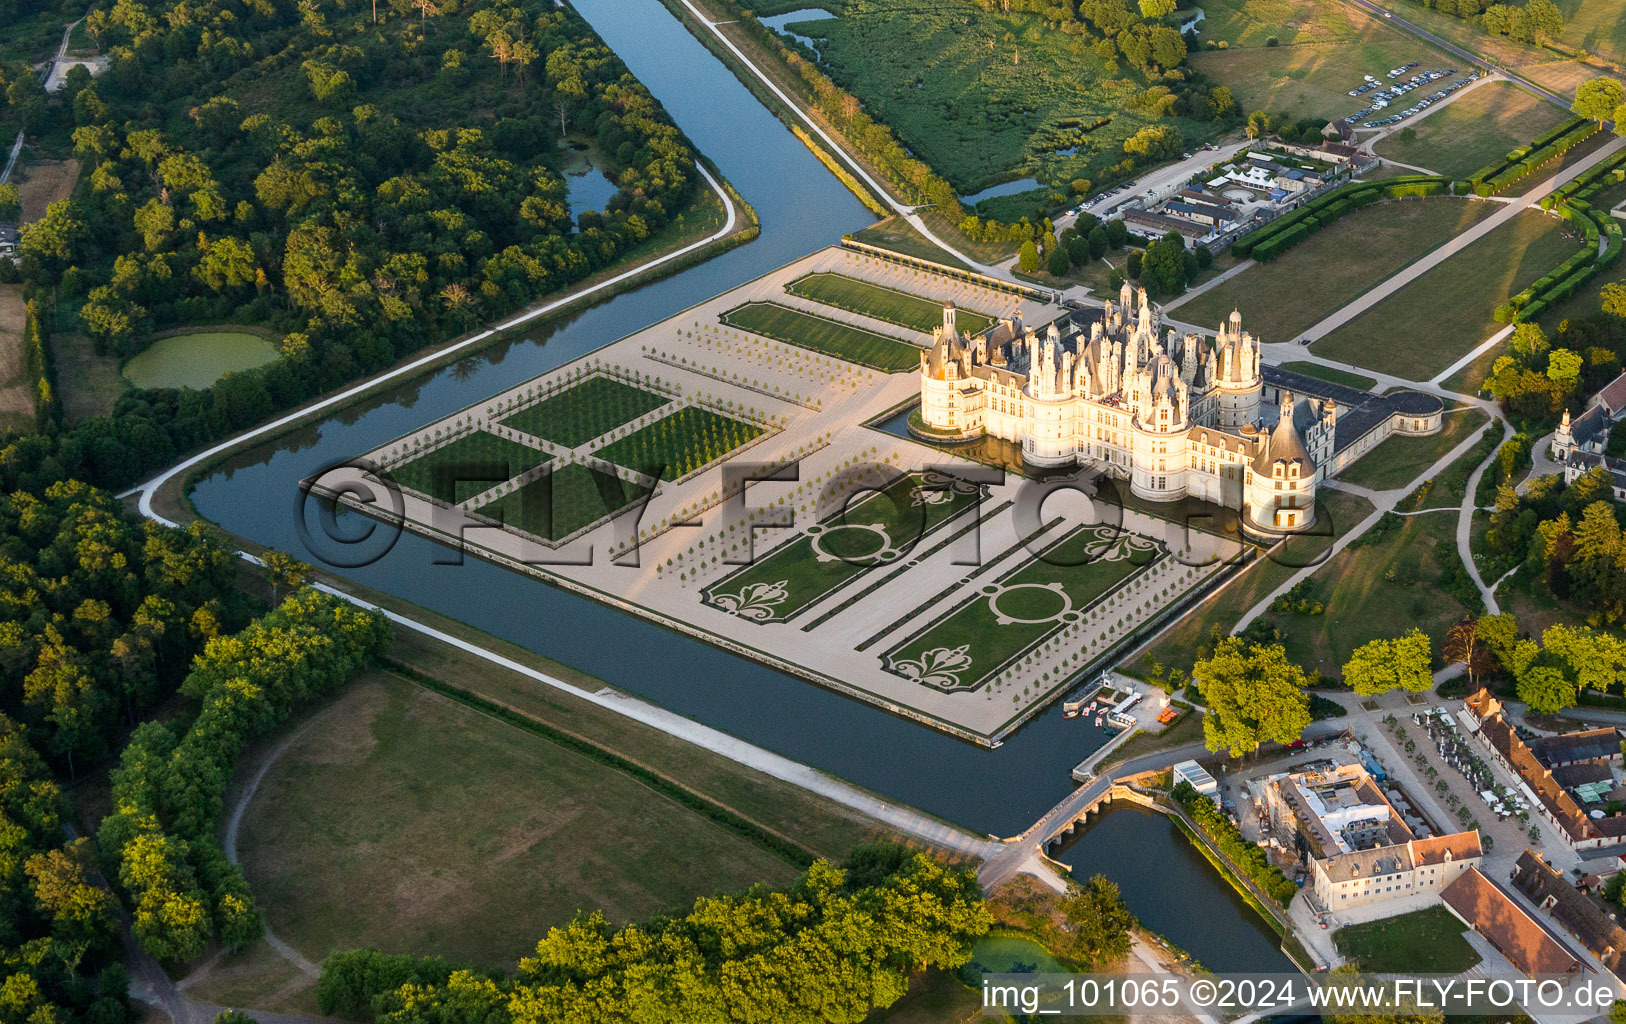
[197,359]
[779,23]
[588,189]
[1009,954]
[1174,890]
[1009,188]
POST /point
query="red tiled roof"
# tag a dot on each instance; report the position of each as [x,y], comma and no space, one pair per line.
[1515,934]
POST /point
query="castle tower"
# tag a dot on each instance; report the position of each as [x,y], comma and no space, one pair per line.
[1281,478]
[1159,447]
[1563,440]
[948,319]
[1051,408]
[1238,383]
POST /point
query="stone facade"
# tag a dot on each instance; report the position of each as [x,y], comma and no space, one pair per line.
[1178,416]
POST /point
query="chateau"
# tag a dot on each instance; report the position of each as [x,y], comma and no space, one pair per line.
[1176,417]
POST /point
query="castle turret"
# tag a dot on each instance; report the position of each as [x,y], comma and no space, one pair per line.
[948,319]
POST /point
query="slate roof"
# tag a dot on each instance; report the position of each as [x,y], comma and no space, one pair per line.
[1597,929]
[1585,745]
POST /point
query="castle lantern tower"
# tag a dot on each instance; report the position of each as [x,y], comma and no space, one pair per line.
[948,319]
[1238,384]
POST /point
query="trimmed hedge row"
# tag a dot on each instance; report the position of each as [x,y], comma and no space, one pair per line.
[1489,181]
[1519,153]
[1583,186]
[1565,279]
[1267,242]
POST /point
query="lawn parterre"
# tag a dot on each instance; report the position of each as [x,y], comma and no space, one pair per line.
[562,501]
[586,409]
[854,344]
[1346,260]
[470,465]
[878,530]
[882,303]
[966,647]
[1437,318]
[1482,125]
[1398,460]
[1423,940]
[1359,382]
[681,443]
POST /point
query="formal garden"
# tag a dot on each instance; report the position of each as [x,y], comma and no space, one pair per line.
[831,337]
[680,443]
[466,466]
[585,409]
[1060,587]
[883,303]
[880,529]
[561,502]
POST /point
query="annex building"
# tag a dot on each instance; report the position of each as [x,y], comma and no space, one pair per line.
[1177,416]
[1569,779]
[1360,848]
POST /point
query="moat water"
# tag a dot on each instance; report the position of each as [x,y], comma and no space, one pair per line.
[802,209]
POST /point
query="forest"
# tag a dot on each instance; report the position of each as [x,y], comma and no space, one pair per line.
[365,180]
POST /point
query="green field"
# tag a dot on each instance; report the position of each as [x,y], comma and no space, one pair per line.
[404,820]
[1595,25]
[1344,260]
[471,464]
[1472,131]
[855,345]
[1338,512]
[878,530]
[1428,940]
[882,303]
[1332,374]
[1380,588]
[1325,47]
[964,648]
[562,501]
[585,410]
[985,96]
[680,443]
[1451,305]
[1399,460]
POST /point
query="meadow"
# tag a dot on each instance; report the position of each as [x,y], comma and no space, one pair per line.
[1345,260]
[1451,305]
[984,96]
[1323,48]
[1472,131]
[404,820]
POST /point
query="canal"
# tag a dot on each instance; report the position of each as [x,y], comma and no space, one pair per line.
[802,209]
